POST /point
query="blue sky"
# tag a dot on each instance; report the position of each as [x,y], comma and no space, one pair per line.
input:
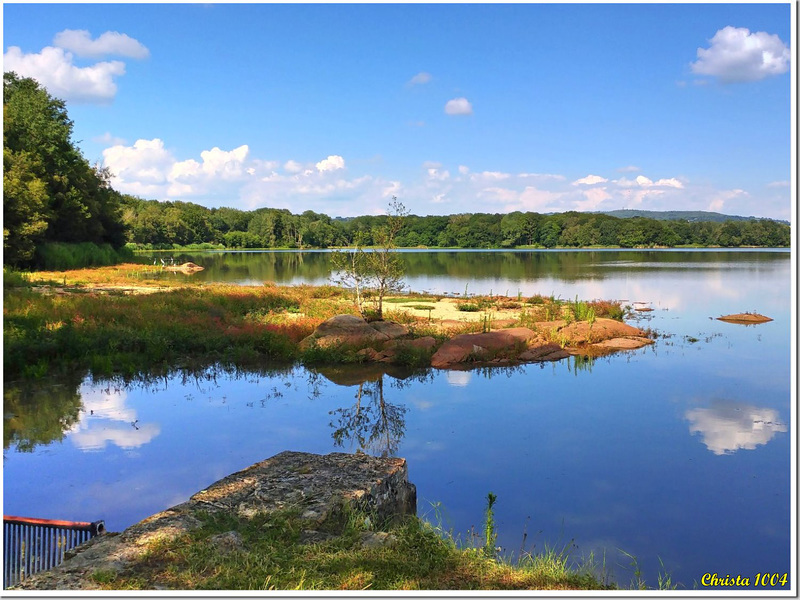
[450,107]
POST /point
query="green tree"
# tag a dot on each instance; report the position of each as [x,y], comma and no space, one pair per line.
[50,192]
[379,270]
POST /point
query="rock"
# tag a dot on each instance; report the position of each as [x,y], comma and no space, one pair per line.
[187,267]
[583,332]
[463,346]
[630,343]
[353,331]
[745,318]
[390,329]
[323,486]
[545,352]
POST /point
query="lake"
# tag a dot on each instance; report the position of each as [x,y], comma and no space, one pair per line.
[678,453]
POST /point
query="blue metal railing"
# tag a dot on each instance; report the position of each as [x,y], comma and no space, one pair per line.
[33,545]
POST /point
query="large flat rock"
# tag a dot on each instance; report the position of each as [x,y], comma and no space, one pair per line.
[352,331]
[321,487]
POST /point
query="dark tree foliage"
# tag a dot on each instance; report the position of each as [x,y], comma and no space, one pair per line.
[50,192]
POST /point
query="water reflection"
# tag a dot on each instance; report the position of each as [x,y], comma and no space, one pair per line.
[39,414]
[371,424]
[730,426]
[106,418]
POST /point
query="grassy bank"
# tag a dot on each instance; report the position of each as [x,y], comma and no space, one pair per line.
[101,320]
[269,553]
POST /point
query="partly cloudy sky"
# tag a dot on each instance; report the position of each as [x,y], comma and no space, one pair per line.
[451,108]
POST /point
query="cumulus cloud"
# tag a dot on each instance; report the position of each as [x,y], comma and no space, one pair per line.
[332,163]
[645,182]
[730,426]
[458,106]
[420,78]
[80,42]
[53,68]
[147,168]
[736,55]
[590,180]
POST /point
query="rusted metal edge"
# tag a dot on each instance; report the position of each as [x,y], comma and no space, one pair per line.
[95,527]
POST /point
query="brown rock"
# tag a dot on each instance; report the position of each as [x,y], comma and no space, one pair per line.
[630,343]
[352,330]
[465,345]
[745,318]
[583,332]
[544,352]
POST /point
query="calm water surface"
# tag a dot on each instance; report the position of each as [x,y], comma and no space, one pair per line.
[679,452]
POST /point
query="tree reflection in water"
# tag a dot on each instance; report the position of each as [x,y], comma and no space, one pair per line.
[372,424]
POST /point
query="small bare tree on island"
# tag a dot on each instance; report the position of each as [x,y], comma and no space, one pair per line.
[375,273]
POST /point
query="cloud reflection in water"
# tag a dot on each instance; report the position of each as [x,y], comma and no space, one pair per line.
[106,419]
[730,426]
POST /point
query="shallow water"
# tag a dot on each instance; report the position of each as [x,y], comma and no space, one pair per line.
[679,452]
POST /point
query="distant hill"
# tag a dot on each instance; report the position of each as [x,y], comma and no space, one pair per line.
[682,215]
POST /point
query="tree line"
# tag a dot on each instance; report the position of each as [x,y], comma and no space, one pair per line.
[54,201]
[152,224]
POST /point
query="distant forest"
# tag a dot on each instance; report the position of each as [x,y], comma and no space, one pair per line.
[59,211]
[152,224]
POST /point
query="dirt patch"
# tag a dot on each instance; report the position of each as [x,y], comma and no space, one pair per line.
[745,318]
[446,309]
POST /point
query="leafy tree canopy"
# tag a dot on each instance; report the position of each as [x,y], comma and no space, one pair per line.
[50,191]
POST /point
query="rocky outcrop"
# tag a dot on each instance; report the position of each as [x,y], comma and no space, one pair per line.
[352,331]
[321,487]
[547,341]
[745,318]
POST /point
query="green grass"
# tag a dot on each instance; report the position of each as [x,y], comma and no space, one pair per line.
[272,556]
[117,334]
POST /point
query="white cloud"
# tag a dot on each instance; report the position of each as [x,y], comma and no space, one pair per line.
[736,55]
[81,43]
[292,166]
[53,68]
[590,180]
[227,165]
[463,170]
[645,182]
[778,184]
[629,169]
[438,174]
[458,106]
[332,163]
[420,78]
